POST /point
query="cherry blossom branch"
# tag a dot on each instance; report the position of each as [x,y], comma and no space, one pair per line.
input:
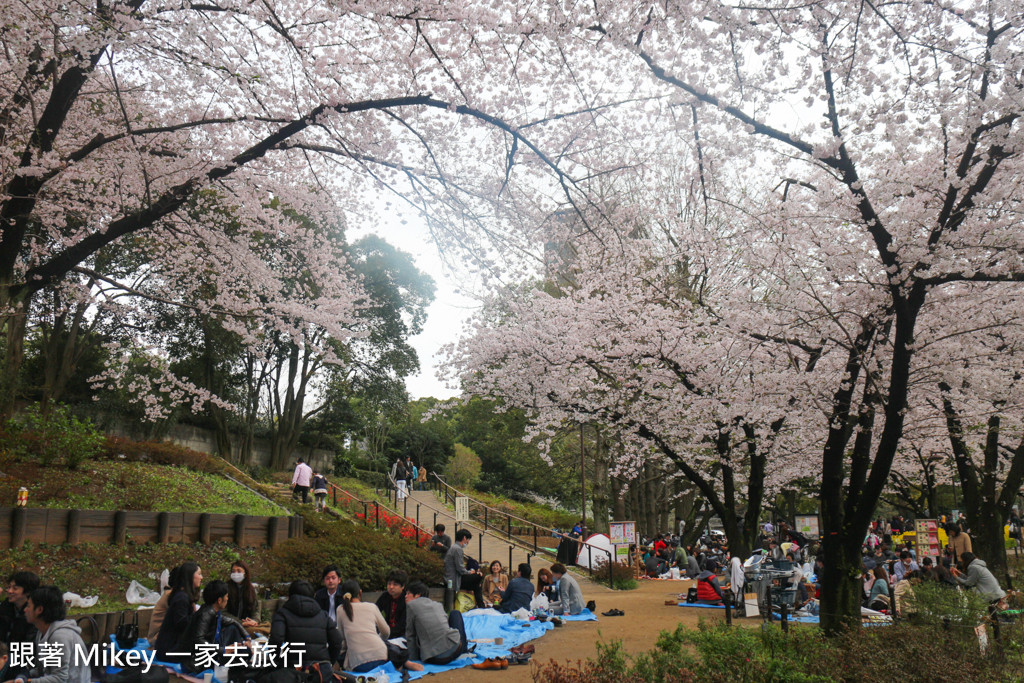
[44,274]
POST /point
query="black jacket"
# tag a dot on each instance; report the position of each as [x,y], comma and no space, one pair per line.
[324,601]
[302,620]
[179,609]
[397,622]
[202,629]
[15,629]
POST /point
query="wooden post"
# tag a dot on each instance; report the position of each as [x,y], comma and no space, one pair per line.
[19,532]
[120,527]
[273,524]
[240,530]
[204,528]
[74,527]
[163,527]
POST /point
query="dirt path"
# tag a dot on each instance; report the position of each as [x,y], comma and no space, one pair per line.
[646,615]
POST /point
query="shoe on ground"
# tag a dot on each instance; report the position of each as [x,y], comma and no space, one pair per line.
[556,621]
[523,649]
[490,664]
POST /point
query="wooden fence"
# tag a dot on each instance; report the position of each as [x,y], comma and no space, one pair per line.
[48,525]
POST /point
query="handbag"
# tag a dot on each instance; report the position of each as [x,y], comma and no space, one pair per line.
[127,635]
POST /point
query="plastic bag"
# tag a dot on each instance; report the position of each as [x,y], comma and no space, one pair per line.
[76,600]
[539,602]
[522,614]
[137,594]
[464,601]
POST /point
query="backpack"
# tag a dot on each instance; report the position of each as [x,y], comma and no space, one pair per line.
[691,595]
[321,672]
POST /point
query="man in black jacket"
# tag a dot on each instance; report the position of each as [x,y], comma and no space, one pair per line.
[210,628]
[391,602]
[328,597]
[301,620]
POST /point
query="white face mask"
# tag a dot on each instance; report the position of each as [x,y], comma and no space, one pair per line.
[238,577]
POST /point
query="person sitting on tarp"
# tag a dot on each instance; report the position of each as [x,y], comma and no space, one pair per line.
[519,592]
[709,592]
[654,565]
[432,637]
[301,620]
[210,625]
[570,597]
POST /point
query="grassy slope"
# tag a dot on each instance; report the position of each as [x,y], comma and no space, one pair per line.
[114,485]
[106,570]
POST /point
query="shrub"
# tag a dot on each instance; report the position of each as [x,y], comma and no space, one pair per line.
[623,575]
[361,553]
[160,453]
[52,437]
[903,653]
[463,469]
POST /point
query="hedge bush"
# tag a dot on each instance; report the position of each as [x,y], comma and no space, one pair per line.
[360,552]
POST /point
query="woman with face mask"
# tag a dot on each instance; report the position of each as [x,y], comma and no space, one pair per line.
[242,600]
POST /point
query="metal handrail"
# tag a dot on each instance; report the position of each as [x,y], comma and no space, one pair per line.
[480,537]
[377,505]
[536,549]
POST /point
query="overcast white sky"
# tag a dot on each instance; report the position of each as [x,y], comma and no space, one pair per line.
[445,317]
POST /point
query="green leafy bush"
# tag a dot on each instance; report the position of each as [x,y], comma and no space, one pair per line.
[360,552]
[623,575]
[52,437]
[904,653]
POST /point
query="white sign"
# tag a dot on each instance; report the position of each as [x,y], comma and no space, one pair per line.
[622,533]
[808,525]
[461,509]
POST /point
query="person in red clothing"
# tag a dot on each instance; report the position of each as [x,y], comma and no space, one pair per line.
[709,592]
[659,543]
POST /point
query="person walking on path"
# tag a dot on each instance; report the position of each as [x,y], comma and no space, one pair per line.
[301,480]
[319,492]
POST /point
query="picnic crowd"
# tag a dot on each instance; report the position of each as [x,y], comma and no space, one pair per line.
[890,570]
[198,625]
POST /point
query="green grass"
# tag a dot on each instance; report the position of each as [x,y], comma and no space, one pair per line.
[111,485]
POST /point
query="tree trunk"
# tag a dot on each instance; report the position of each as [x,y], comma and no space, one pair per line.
[13,324]
[618,501]
[987,538]
[600,493]
[841,585]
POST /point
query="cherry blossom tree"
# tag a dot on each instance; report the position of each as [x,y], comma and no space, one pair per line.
[117,118]
[875,152]
[907,134]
